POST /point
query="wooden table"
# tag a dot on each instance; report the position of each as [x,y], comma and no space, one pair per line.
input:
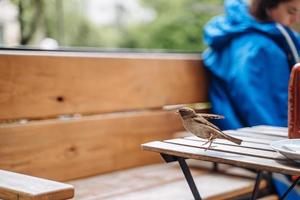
[254,153]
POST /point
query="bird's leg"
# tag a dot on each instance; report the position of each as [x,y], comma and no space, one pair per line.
[206,142]
[210,140]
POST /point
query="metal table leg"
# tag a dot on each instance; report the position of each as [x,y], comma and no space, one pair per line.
[187,173]
[188,176]
[290,188]
[215,167]
[256,186]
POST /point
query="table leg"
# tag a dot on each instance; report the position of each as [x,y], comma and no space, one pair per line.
[215,167]
[290,188]
[186,171]
[256,186]
[188,176]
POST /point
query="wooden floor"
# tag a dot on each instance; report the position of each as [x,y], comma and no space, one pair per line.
[165,181]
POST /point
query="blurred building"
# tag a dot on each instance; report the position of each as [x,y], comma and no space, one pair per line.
[9,26]
[106,12]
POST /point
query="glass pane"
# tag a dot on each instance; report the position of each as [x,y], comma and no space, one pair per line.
[106,24]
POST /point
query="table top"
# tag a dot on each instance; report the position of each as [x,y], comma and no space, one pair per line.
[255,151]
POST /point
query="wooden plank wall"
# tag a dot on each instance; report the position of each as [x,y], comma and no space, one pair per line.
[118,97]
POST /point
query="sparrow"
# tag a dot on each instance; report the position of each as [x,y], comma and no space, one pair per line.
[197,124]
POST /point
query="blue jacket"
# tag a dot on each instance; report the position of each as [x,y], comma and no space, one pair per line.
[249,64]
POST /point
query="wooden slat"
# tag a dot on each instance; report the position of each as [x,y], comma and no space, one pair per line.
[241,136]
[38,86]
[270,197]
[120,183]
[162,181]
[253,139]
[271,132]
[273,128]
[65,150]
[257,136]
[245,143]
[19,186]
[221,147]
[284,167]
[210,186]
[235,192]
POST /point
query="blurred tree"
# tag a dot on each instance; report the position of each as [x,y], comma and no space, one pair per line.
[66,22]
[57,19]
[30,14]
[178,25]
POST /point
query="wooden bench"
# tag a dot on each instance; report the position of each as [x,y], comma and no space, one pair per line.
[84,111]
[70,115]
[18,186]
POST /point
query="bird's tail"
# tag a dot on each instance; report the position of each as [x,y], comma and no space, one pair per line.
[233,139]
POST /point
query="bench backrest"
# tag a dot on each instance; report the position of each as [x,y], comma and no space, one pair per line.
[70,115]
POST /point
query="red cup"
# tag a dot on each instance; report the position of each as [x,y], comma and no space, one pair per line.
[294,103]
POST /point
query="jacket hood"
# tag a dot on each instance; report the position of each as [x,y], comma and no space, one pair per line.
[236,20]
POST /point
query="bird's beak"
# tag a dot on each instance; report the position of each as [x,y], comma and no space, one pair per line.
[177,112]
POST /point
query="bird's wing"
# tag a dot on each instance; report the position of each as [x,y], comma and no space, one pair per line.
[218,131]
[211,116]
[225,136]
[201,120]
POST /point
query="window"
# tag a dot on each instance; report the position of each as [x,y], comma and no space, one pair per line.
[1,35]
[107,24]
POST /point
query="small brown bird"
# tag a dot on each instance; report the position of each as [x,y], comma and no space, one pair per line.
[199,126]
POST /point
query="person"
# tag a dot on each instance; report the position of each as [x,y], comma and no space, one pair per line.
[249,60]
[252,49]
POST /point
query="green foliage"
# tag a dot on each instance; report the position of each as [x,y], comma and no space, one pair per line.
[69,26]
[177,25]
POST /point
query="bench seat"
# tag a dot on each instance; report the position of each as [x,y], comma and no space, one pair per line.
[15,186]
[161,181]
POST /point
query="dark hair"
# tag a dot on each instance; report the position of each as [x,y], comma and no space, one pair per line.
[259,8]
